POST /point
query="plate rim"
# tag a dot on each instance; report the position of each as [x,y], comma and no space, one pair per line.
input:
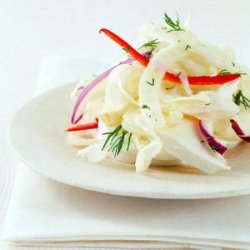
[18,155]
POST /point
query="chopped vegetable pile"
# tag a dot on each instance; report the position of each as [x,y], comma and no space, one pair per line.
[172,98]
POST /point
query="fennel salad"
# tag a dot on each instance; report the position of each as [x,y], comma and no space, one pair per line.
[172,99]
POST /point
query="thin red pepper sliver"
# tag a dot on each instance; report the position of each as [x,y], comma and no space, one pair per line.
[203,80]
[82,127]
[193,80]
[134,53]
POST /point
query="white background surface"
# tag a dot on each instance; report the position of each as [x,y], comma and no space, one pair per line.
[31,30]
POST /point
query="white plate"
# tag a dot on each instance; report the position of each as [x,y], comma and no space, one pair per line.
[38,137]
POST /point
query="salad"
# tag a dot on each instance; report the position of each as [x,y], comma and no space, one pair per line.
[172,99]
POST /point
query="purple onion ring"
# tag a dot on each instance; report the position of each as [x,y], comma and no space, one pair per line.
[236,127]
[212,142]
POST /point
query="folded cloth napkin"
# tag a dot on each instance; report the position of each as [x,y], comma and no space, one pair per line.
[50,214]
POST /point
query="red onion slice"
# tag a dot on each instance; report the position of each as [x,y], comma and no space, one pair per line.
[212,142]
[236,127]
[95,82]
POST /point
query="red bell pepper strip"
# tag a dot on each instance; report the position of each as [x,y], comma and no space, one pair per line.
[203,80]
[134,53]
[193,80]
[82,127]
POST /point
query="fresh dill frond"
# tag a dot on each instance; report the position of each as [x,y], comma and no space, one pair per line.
[239,99]
[187,47]
[148,56]
[224,72]
[145,106]
[179,74]
[240,73]
[129,141]
[175,25]
[126,49]
[151,44]
[213,148]
[115,140]
[227,72]
[152,83]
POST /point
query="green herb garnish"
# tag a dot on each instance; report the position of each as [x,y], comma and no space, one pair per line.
[239,99]
[209,103]
[188,47]
[213,148]
[179,74]
[126,49]
[175,25]
[145,107]
[151,44]
[240,73]
[116,139]
[148,56]
[152,83]
[224,72]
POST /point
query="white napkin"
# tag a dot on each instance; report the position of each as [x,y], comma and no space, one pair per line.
[46,213]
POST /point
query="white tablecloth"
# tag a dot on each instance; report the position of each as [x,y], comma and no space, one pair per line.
[33,30]
[43,212]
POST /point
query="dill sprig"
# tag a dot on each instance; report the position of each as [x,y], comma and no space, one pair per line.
[175,25]
[240,73]
[129,141]
[179,74]
[239,99]
[125,49]
[151,44]
[151,83]
[188,47]
[148,56]
[116,139]
[224,72]
[214,148]
[227,72]
[144,106]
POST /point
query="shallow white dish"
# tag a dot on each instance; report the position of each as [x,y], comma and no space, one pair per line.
[37,135]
